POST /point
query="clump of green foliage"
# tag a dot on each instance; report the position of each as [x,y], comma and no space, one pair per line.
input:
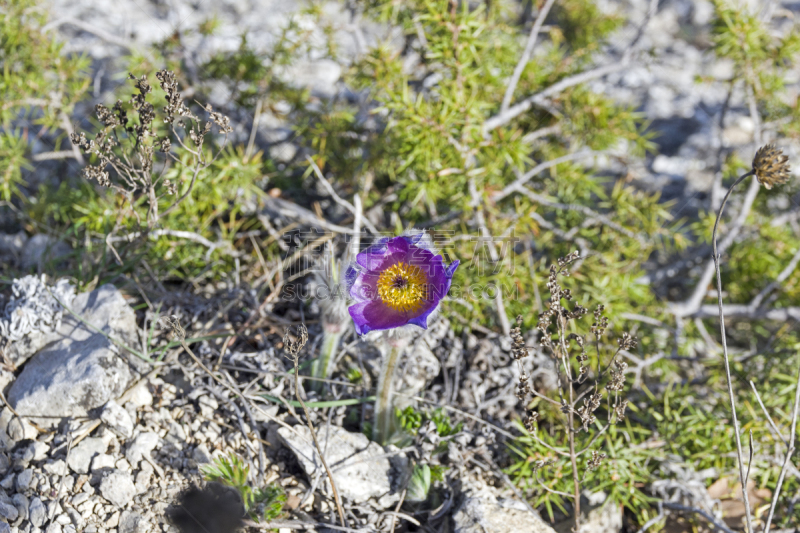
[40,86]
[430,430]
[410,420]
[259,503]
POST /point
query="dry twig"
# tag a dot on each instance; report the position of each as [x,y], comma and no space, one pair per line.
[293,348]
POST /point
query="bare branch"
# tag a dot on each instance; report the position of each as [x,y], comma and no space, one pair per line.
[480,220]
[526,54]
[731,397]
[789,453]
[769,418]
[525,178]
[51,156]
[538,198]
[711,519]
[540,98]
[338,199]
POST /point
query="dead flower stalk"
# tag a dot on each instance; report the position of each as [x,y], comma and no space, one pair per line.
[579,398]
[293,348]
[770,167]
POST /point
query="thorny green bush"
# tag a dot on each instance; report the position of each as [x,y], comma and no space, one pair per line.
[40,86]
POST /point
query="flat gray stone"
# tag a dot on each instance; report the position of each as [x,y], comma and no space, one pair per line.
[360,468]
[79,371]
[132,522]
[25,480]
[80,457]
[484,515]
[142,445]
[37,512]
[7,509]
[117,419]
[117,487]
[21,503]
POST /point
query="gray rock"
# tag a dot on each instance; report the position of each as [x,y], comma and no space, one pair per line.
[37,512]
[80,457]
[360,468]
[81,370]
[102,461]
[5,417]
[54,528]
[117,419]
[58,467]
[201,454]
[7,509]
[12,244]
[117,487]
[604,519]
[597,516]
[8,481]
[4,463]
[144,443]
[5,528]
[38,450]
[25,480]
[131,522]
[6,442]
[21,503]
[20,429]
[483,515]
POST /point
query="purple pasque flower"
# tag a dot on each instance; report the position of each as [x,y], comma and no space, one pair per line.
[395,282]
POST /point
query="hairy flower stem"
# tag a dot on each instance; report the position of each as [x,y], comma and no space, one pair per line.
[725,353]
[384,414]
[321,368]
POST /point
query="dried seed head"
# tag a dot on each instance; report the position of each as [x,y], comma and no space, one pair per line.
[617,381]
[96,172]
[531,421]
[294,347]
[620,408]
[172,324]
[626,342]
[172,189]
[770,166]
[518,348]
[596,459]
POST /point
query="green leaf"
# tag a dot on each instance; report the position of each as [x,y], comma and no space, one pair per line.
[419,484]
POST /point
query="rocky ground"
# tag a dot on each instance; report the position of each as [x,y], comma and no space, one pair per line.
[95,439]
[99,441]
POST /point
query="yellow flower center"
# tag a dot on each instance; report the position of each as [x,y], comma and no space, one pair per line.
[403,287]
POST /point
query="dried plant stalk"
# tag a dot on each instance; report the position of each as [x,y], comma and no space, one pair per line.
[293,348]
[577,406]
[770,167]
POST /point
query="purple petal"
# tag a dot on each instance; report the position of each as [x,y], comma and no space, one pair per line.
[452,268]
[350,278]
[373,257]
[370,312]
[421,320]
[375,315]
[399,245]
[365,287]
